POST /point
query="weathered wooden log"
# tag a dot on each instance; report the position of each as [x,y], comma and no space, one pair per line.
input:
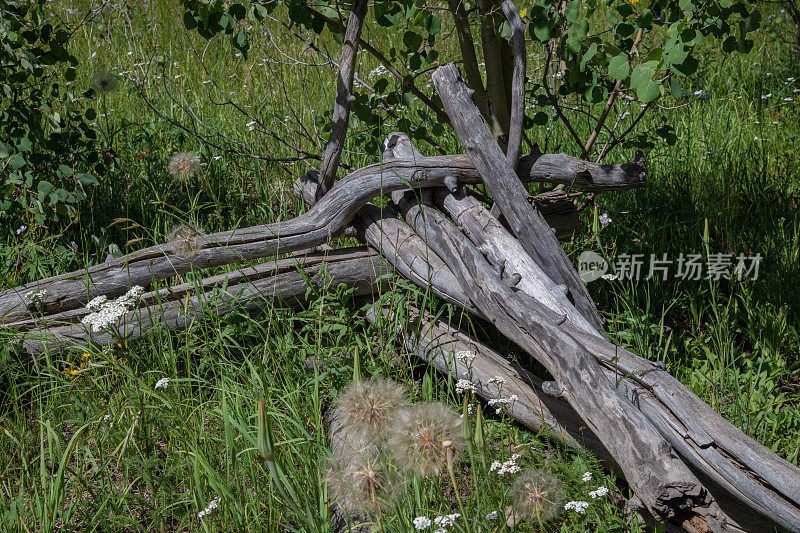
[509,193]
[506,254]
[326,220]
[687,425]
[398,243]
[754,487]
[437,343]
[284,281]
[668,489]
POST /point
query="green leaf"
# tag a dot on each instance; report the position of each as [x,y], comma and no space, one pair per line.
[618,67]
[579,29]
[624,29]
[677,54]
[588,56]
[572,11]
[687,67]
[730,44]
[44,187]
[433,25]
[595,94]
[189,20]
[675,88]
[505,30]
[645,19]
[624,9]
[540,118]
[541,32]
[64,171]
[412,41]
[328,11]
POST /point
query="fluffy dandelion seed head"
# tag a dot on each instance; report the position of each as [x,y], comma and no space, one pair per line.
[423,435]
[537,495]
[368,408]
[104,82]
[183,165]
[364,484]
[185,239]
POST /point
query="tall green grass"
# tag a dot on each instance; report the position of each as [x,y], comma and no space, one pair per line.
[87,442]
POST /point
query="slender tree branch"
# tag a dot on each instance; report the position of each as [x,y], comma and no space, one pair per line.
[517,42]
[344,95]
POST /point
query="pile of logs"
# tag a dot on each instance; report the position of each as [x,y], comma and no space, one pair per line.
[686,465]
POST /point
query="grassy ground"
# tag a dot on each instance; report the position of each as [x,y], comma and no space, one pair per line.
[87,442]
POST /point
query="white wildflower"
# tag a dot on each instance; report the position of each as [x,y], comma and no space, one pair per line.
[500,403]
[492,516]
[213,504]
[36,297]
[464,385]
[497,381]
[601,491]
[162,383]
[442,522]
[102,312]
[605,220]
[587,477]
[577,506]
[507,467]
[422,522]
[609,277]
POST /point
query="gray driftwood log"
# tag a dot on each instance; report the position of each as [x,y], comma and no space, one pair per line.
[527,224]
[324,221]
[281,282]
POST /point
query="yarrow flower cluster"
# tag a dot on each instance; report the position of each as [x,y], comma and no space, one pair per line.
[499,381]
[443,522]
[577,506]
[500,404]
[162,383]
[464,385]
[36,297]
[465,356]
[506,467]
[213,504]
[422,522]
[102,312]
[600,492]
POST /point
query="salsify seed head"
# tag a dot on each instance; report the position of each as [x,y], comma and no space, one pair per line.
[363,483]
[368,408]
[104,82]
[537,495]
[185,239]
[423,435]
[183,165]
